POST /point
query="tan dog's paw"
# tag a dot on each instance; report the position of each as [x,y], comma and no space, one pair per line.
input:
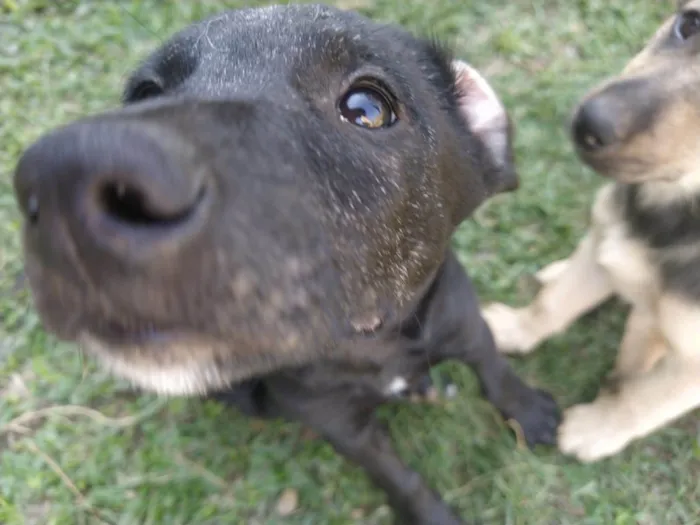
[594,431]
[509,329]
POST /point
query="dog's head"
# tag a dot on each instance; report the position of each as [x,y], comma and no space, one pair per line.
[643,125]
[279,179]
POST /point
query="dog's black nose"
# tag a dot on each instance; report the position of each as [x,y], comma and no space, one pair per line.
[593,127]
[114,186]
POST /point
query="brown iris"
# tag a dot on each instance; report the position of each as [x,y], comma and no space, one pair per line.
[368,107]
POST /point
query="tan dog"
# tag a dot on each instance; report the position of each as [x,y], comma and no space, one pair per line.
[641,129]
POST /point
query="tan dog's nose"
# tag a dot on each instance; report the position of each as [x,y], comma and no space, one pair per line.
[593,127]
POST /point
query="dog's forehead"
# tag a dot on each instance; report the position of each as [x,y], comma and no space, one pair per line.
[287,19]
[254,29]
[271,43]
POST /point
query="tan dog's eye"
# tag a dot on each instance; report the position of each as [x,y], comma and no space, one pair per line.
[368,106]
[687,24]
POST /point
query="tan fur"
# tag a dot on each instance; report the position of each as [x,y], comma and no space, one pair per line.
[648,398]
[668,150]
[657,372]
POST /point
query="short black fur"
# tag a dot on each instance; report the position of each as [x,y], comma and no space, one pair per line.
[313,267]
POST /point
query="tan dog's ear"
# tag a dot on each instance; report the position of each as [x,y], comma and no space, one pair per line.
[488,119]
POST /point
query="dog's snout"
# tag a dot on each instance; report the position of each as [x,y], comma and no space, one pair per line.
[593,126]
[114,187]
[615,114]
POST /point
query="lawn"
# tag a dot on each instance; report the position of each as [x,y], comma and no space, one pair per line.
[78,447]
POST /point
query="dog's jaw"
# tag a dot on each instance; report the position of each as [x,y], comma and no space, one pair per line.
[191,378]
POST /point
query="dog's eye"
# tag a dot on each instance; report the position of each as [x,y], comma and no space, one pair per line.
[688,24]
[368,106]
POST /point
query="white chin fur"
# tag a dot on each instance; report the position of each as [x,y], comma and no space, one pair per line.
[188,379]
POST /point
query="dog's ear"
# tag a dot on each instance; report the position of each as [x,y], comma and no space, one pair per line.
[488,120]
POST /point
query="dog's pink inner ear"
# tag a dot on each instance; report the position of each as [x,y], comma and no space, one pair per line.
[485,114]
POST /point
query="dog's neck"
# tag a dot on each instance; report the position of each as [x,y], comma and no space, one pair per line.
[662,213]
[663,193]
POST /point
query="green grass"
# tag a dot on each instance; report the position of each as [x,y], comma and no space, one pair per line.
[181,462]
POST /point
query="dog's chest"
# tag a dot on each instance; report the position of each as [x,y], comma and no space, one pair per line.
[625,259]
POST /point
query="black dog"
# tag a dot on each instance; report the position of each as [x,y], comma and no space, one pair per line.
[268,221]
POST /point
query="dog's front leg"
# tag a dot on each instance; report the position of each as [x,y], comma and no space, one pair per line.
[642,345]
[534,410]
[645,401]
[346,420]
[641,405]
[569,289]
[454,310]
[366,442]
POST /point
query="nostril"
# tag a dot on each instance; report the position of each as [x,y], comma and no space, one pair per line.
[26,192]
[32,209]
[593,126]
[130,205]
[138,216]
[124,203]
[586,137]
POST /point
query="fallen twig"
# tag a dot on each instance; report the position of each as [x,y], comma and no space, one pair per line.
[82,501]
[19,424]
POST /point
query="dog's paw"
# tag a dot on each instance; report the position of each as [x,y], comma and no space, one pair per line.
[538,418]
[593,431]
[509,329]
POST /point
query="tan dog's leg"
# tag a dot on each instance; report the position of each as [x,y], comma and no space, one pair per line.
[642,345]
[571,287]
[552,271]
[646,401]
